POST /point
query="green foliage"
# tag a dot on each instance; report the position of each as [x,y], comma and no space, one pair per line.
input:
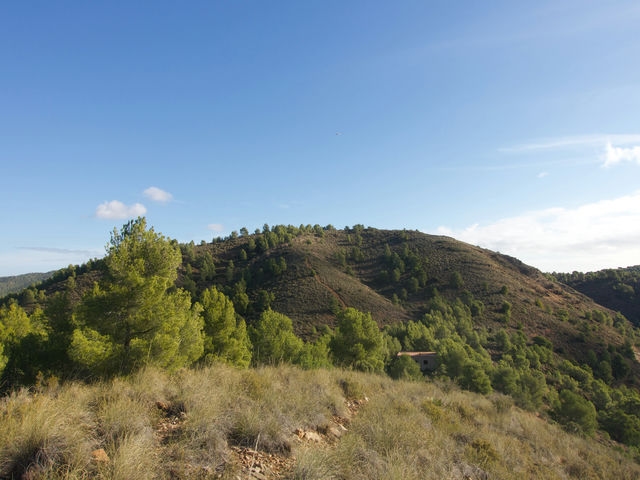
[133,314]
[264,300]
[316,354]
[403,367]
[133,317]
[456,280]
[619,366]
[505,378]
[532,388]
[93,350]
[613,288]
[226,336]
[621,426]
[230,271]
[475,378]
[503,342]
[358,342]
[207,267]
[273,339]
[15,284]
[14,326]
[543,342]
[14,323]
[575,413]
[506,311]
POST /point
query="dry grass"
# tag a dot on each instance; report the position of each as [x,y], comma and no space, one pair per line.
[194,423]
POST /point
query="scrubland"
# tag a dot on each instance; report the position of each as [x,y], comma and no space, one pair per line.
[285,422]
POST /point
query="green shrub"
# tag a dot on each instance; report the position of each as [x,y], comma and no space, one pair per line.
[575,413]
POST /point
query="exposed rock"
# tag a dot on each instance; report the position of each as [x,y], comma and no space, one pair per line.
[309,435]
[100,456]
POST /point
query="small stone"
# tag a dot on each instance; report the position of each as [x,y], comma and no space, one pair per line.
[100,456]
[312,436]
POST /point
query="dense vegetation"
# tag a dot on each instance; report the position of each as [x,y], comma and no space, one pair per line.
[320,297]
[617,289]
[18,283]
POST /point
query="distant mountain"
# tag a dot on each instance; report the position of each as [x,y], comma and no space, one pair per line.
[18,283]
[617,289]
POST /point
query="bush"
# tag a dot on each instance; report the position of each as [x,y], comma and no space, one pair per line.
[403,367]
[576,413]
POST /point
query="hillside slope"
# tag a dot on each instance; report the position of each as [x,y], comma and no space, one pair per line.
[617,289]
[17,283]
[310,272]
[284,423]
[395,276]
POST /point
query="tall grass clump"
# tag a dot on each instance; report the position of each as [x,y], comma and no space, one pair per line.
[126,420]
[199,423]
[45,436]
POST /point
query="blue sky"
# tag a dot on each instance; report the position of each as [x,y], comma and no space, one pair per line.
[510,125]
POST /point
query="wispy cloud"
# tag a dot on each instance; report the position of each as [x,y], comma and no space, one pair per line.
[61,251]
[571,142]
[118,210]
[216,227]
[42,259]
[158,195]
[604,234]
[543,174]
[615,155]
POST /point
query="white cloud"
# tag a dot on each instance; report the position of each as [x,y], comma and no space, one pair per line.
[118,210]
[615,155]
[216,227]
[604,234]
[158,195]
[543,174]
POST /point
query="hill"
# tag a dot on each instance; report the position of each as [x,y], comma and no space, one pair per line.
[309,272]
[284,423]
[617,289]
[321,297]
[17,283]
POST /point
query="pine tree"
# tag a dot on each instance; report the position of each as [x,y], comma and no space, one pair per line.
[273,339]
[226,337]
[358,342]
[134,316]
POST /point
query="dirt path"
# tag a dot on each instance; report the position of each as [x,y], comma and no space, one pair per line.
[324,284]
[254,463]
